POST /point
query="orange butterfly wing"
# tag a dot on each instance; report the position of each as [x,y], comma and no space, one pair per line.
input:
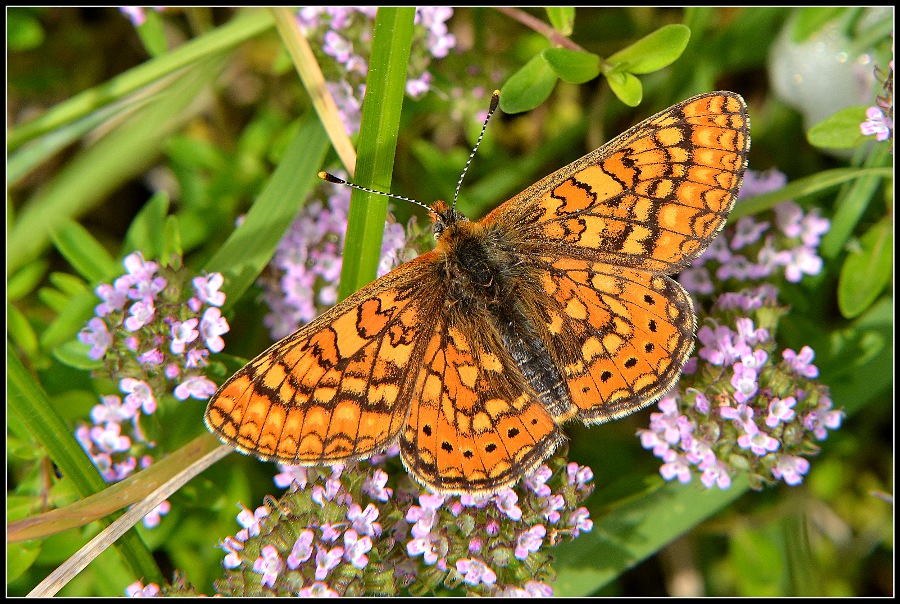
[474,425]
[654,197]
[600,237]
[337,389]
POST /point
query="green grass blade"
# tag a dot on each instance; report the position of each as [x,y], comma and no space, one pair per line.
[249,248]
[634,529]
[385,88]
[214,43]
[31,407]
[125,152]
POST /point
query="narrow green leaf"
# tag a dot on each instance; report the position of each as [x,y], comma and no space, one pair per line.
[801,567]
[171,241]
[67,283]
[855,199]
[867,270]
[249,24]
[528,87]
[385,88]
[654,51]
[840,131]
[250,247]
[76,311]
[75,354]
[571,65]
[626,87]
[54,299]
[20,331]
[809,185]
[24,281]
[35,153]
[32,409]
[562,18]
[145,231]
[95,171]
[634,529]
[152,33]
[757,560]
[86,255]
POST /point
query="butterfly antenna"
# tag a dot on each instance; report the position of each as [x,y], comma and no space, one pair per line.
[495,100]
[340,181]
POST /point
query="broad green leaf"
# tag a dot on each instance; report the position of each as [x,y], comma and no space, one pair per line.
[840,131]
[867,270]
[528,87]
[654,51]
[571,65]
[20,557]
[562,18]
[627,87]
[866,352]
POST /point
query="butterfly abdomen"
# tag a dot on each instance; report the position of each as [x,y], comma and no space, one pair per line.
[486,278]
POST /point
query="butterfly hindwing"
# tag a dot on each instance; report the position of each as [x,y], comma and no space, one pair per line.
[474,425]
[619,335]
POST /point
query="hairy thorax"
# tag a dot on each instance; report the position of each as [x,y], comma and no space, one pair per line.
[479,267]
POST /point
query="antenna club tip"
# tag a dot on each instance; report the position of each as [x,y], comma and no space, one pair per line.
[329,178]
[495,100]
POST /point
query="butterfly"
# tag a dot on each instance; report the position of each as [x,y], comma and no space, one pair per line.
[558,305]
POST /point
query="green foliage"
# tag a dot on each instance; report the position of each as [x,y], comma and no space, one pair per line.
[867,269]
[528,87]
[562,18]
[532,84]
[840,131]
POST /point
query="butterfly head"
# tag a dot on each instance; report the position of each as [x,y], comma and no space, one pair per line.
[444,217]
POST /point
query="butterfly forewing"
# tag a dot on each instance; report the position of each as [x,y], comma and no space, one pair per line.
[653,197]
[339,388]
